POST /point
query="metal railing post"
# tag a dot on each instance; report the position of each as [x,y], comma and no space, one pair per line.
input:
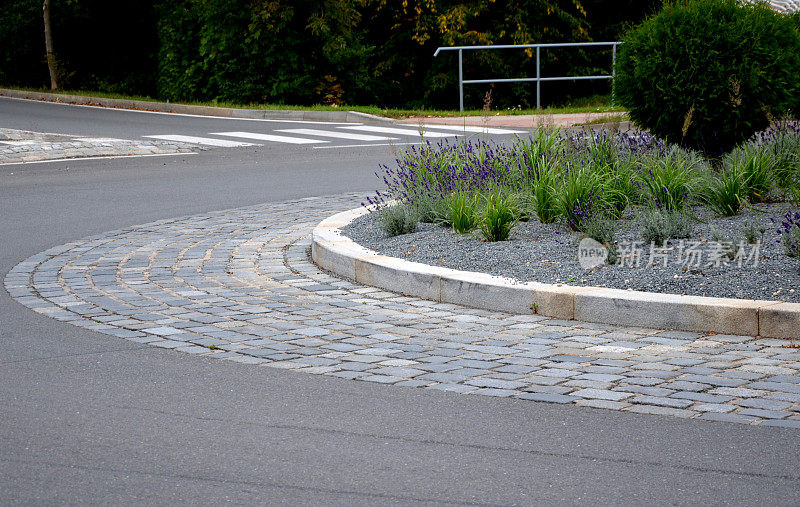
[613,73]
[460,83]
[538,82]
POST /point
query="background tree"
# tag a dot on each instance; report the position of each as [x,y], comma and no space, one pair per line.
[48,43]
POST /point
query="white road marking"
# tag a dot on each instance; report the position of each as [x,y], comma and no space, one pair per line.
[363,145]
[18,143]
[100,140]
[98,158]
[268,137]
[202,140]
[338,135]
[402,132]
[479,130]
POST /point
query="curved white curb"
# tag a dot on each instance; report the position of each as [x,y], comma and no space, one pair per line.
[335,252]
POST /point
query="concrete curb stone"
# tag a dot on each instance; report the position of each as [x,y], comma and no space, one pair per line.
[336,253]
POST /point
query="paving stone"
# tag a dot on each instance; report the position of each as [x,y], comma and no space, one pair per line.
[764,414]
[658,410]
[547,397]
[253,294]
[602,394]
[661,401]
[719,408]
[607,404]
[764,403]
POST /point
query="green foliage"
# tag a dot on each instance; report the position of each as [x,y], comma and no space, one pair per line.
[579,196]
[755,165]
[603,230]
[463,208]
[399,219]
[544,197]
[725,192]
[658,227]
[499,217]
[669,180]
[305,52]
[709,73]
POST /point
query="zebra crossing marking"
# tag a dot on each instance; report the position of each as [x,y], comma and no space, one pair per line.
[338,135]
[209,141]
[269,137]
[402,132]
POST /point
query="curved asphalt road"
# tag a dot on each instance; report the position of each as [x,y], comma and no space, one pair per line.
[86,418]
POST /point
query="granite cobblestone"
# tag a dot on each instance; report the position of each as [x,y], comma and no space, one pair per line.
[239,285]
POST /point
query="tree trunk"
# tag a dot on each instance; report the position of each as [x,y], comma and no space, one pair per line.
[48,43]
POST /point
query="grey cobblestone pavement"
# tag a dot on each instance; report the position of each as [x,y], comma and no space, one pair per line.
[21,146]
[238,285]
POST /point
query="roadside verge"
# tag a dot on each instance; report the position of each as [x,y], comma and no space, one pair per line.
[333,251]
[223,112]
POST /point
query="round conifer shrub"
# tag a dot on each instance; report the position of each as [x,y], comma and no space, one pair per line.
[708,74]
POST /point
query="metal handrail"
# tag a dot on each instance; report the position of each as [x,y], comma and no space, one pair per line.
[538,78]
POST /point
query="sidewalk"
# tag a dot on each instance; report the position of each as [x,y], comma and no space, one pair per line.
[525,121]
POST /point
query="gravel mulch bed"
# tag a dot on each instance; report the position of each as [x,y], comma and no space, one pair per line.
[549,254]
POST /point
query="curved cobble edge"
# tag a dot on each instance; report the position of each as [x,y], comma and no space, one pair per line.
[334,251]
[239,285]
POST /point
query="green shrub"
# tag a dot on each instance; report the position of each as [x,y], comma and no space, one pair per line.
[463,209]
[499,218]
[603,230]
[658,227]
[708,74]
[399,219]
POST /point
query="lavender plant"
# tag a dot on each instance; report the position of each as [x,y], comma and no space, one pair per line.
[789,233]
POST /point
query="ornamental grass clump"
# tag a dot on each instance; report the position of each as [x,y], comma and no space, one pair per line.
[499,218]
[755,164]
[726,192]
[669,181]
[463,211]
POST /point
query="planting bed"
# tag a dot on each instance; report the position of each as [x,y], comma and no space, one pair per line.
[548,253]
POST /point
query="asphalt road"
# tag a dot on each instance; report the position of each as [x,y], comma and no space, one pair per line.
[86,418]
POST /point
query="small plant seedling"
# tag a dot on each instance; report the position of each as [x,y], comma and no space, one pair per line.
[212,347]
[535,308]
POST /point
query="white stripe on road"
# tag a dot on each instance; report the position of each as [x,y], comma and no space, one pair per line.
[202,140]
[269,137]
[364,145]
[98,158]
[338,135]
[402,132]
[100,140]
[479,130]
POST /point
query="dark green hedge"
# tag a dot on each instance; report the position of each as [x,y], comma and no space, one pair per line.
[710,73]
